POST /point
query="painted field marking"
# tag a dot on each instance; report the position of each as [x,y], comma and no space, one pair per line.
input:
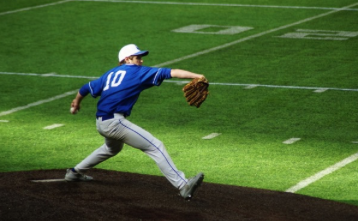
[37,103]
[185,82]
[251,86]
[323,173]
[34,7]
[53,126]
[4,121]
[48,180]
[291,140]
[242,40]
[321,90]
[222,30]
[211,136]
[354,141]
[48,75]
[183,3]
[253,36]
[181,83]
[349,7]
[217,4]
[271,86]
[320,34]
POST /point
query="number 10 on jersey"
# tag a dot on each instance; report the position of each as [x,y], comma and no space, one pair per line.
[116,81]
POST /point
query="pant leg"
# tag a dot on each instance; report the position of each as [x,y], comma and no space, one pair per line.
[101,154]
[110,148]
[139,138]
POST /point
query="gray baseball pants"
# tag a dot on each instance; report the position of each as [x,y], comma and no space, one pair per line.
[119,131]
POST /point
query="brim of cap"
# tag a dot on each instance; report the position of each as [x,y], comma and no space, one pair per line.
[142,53]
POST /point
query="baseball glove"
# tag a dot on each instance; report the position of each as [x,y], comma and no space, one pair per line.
[196,91]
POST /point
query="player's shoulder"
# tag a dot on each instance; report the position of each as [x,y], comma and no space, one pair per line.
[139,69]
[114,70]
[131,67]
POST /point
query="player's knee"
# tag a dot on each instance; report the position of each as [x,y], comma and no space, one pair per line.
[113,147]
[115,150]
[158,144]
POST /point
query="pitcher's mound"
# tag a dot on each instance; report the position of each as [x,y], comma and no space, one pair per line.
[125,196]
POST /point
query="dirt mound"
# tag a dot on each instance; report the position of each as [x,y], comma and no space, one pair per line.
[125,196]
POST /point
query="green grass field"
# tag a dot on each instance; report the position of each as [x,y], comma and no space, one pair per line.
[282,70]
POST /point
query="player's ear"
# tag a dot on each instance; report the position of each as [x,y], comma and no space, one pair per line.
[128,59]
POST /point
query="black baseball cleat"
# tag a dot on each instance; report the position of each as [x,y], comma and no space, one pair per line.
[187,191]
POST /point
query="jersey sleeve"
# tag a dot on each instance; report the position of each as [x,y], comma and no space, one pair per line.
[155,76]
[84,90]
[93,87]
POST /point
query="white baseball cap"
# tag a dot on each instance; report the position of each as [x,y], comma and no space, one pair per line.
[130,50]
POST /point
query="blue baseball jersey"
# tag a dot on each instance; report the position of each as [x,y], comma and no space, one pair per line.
[119,88]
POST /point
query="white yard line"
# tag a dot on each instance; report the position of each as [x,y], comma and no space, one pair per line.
[181,3]
[34,7]
[218,4]
[211,136]
[323,173]
[252,86]
[291,140]
[53,126]
[185,82]
[47,75]
[37,103]
[321,90]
